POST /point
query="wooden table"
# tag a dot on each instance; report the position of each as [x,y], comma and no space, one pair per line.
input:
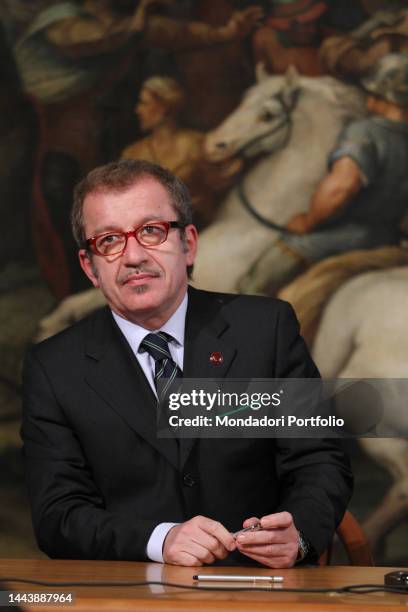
[168,598]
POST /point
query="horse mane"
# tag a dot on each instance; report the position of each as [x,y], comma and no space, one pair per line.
[310,293]
[347,100]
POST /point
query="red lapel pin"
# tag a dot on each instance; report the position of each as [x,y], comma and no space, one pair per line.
[216,358]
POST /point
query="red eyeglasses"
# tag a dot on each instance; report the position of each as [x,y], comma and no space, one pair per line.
[148,235]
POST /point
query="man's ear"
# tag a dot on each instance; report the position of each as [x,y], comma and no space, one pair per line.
[88,266]
[190,243]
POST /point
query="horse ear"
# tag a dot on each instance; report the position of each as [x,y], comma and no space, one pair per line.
[291,86]
[260,72]
[292,77]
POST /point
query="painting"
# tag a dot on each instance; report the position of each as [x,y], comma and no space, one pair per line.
[287,120]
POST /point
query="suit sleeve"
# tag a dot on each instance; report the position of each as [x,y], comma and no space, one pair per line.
[314,474]
[69,516]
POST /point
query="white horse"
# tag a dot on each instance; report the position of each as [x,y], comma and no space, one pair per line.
[287,125]
[363,333]
[294,122]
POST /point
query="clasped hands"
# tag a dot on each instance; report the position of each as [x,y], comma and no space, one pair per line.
[202,540]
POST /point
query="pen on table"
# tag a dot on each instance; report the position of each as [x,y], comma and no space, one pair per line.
[236,578]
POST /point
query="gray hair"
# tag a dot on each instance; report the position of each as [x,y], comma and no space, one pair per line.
[120,175]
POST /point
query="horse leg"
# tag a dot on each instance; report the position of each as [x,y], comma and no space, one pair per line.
[393,507]
[276,266]
[333,347]
[392,454]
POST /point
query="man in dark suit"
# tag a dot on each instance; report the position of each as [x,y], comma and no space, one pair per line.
[102,485]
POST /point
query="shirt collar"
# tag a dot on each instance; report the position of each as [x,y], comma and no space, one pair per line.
[175,326]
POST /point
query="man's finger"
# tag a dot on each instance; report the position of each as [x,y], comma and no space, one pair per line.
[199,551]
[274,562]
[218,530]
[262,537]
[184,558]
[279,520]
[211,543]
[269,551]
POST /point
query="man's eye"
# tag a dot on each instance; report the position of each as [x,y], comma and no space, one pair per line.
[110,243]
[152,229]
[109,239]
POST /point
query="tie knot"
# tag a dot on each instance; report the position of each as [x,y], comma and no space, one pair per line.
[157,345]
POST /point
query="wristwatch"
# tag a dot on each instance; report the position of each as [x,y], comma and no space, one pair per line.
[303,548]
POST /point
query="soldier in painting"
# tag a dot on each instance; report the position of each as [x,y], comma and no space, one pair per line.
[362,200]
[291,36]
[350,56]
[161,103]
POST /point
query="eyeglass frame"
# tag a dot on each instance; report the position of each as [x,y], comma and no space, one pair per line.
[90,243]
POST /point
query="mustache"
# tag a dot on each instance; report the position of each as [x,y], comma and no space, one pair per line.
[138,270]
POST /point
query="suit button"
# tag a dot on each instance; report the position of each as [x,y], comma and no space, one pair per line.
[188,480]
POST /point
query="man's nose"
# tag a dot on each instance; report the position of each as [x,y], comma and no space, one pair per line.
[134,252]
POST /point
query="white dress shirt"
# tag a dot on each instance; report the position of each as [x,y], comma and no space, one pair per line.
[135,334]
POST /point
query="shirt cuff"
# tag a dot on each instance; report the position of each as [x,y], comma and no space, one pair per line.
[154,549]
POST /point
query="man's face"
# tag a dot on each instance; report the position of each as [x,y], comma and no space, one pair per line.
[149,110]
[143,285]
[301,29]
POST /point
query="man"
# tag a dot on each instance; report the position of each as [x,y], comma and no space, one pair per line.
[291,37]
[101,484]
[362,200]
[351,55]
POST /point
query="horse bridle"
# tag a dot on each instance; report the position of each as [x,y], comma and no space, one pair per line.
[285,122]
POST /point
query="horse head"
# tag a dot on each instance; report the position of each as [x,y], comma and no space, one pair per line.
[275,106]
[261,123]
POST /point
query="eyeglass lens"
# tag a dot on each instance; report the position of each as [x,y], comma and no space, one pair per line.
[146,235]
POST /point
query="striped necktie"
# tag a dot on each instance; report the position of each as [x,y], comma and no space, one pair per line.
[157,346]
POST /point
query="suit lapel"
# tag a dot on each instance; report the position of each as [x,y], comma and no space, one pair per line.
[205,335]
[114,373]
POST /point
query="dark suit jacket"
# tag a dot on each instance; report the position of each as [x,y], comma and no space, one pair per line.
[99,479]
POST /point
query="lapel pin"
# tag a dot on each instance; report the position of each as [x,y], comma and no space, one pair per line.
[216,358]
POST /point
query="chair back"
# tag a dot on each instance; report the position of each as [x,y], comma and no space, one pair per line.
[354,542]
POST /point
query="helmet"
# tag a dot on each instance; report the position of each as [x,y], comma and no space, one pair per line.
[389,79]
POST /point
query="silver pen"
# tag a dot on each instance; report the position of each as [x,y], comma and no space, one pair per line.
[256,527]
[236,578]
